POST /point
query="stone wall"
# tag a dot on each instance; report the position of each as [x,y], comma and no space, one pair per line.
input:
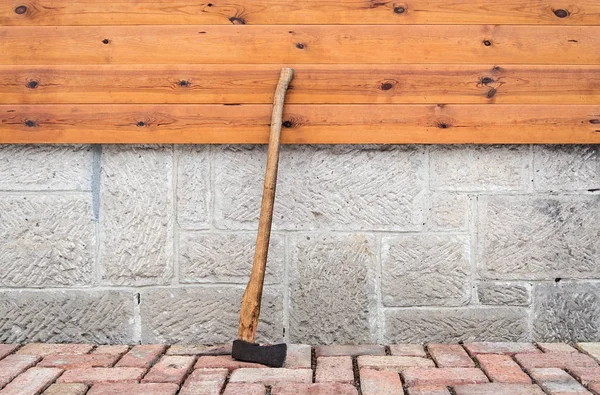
[370,243]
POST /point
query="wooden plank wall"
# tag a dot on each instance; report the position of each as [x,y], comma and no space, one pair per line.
[367,71]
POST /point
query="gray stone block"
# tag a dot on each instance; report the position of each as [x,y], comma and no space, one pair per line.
[454,325]
[45,167]
[331,187]
[536,238]
[507,294]
[566,312]
[136,216]
[99,317]
[193,187]
[226,257]
[425,270]
[479,168]
[566,167]
[332,288]
[205,315]
[449,211]
[47,240]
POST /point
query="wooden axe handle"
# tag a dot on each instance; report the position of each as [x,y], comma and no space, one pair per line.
[250,310]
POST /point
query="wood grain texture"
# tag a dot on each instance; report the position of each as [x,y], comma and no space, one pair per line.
[295,44]
[344,84]
[303,124]
[160,12]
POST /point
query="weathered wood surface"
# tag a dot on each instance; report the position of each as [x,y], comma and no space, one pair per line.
[330,84]
[163,12]
[308,124]
[300,44]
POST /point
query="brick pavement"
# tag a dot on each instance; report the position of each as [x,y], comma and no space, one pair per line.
[402,369]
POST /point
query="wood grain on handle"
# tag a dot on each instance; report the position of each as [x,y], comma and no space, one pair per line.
[250,310]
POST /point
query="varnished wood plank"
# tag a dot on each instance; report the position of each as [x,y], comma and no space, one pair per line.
[366,84]
[306,124]
[160,12]
[300,44]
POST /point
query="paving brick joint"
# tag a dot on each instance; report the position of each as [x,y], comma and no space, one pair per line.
[483,368]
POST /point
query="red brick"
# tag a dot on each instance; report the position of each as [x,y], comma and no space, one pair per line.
[111,350]
[501,348]
[205,382]
[560,360]
[224,361]
[502,369]
[245,389]
[134,389]
[349,350]
[556,347]
[45,349]
[7,349]
[498,389]
[556,381]
[591,348]
[170,369]
[33,381]
[393,363]
[595,388]
[66,389]
[380,382]
[338,369]
[586,375]
[298,356]
[79,361]
[271,376]
[314,389]
[450,356]
[428,390]
[550,374]
[142,356]
[102,375]
[13,365]
[408,350]
[198,349]
[443,376]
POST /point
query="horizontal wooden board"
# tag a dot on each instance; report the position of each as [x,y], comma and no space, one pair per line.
[160,12]
[303,124]
[358,84]
[295,44]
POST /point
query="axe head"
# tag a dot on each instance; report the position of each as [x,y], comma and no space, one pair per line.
[270,355]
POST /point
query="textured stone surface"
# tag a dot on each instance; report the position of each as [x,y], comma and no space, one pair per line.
[498,389]
[501,348]
[45,167]
[449,211]
[507,294]
[418,271]
[299,356]
[332,284]
[136,215]
[566,167]
[33,381]
[536,238]
[205,315]
[271,376]
[200,349]
[226,257]
[193,186]
[566,311]
[453,325]
[479,168]
[392,363]
[324,187]
[47,240]
[91,376]
[67,389]
[66,316]
[379,382]
[338,369]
